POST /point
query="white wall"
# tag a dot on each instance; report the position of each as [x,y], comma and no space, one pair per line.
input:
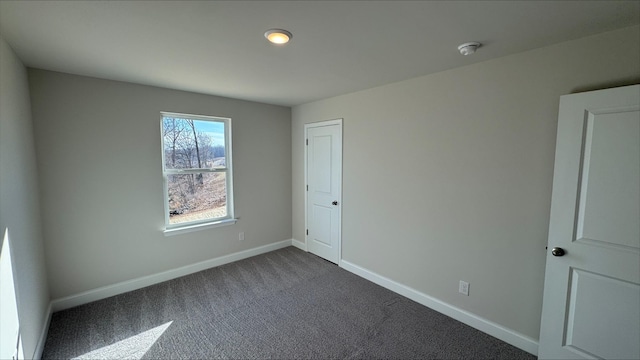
[99,161]
[448,177]
[19,203]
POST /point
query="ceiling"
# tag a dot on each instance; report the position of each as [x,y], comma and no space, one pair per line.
[217,47]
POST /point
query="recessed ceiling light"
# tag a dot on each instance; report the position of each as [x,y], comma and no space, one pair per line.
[278,36]
[469,48]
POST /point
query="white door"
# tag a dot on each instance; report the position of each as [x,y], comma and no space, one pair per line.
[324,188]
[591,306]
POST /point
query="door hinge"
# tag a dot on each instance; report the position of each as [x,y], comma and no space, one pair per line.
[307,141]
[307,187]
[307,231]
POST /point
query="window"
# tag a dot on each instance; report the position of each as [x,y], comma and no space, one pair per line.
[10,339]
[196,164]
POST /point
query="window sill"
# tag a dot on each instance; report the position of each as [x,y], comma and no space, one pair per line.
[197,227]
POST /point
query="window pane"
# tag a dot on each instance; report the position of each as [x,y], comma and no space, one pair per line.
[190,144]
[194,197]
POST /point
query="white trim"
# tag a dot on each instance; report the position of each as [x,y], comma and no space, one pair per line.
[306,192]
[324,123]
[141,282]
[37,353]
[193,116]
[496,330]
[197,227]
[299,244]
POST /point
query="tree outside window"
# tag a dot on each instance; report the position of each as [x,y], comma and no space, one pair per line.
[196,167]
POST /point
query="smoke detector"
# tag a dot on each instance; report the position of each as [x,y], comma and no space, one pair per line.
[469,48]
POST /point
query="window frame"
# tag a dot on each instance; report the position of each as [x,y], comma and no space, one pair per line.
[171,229]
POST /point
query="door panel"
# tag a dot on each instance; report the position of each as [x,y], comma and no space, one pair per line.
[321,219]
[595,301]
[591,305]
[609,202]
[321,164]
[324,191]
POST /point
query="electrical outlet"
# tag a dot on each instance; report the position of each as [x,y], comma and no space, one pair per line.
[463,288]
[241,236]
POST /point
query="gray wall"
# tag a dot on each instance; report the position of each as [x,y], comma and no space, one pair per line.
[99,161]
[448,177]
[19,203]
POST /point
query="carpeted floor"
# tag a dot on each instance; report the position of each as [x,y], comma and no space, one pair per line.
[283,304]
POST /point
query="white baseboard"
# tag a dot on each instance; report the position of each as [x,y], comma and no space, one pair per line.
[496,330]
[299,244]
[135,284]
[37,353]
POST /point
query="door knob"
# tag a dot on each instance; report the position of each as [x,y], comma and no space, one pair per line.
[556,251]
[334,202]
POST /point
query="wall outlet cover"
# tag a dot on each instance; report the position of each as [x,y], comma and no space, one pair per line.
[463,288]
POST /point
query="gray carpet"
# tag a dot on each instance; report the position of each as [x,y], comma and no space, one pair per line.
[283,304]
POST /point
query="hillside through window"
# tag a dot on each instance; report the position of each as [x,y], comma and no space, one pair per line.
[197,169]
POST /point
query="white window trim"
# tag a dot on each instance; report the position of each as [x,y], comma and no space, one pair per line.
[186,227]
[197,227]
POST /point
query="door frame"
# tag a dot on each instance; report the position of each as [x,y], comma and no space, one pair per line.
[306,193]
